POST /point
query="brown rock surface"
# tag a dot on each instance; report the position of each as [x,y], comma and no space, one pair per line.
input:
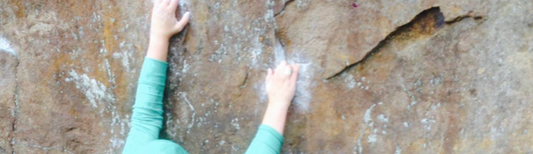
[8,109]
[389,76]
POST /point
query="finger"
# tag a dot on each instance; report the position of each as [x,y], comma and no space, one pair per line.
[173,5]
[294,76]
[183,22]
[269,75]
[283,63]
[267,86]
[280,67]
[157,3]
[165,2]
[288,70]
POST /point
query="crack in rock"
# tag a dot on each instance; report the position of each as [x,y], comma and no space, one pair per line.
[284,6]
[245,80]
[16,103]
[17,108]
[426,22]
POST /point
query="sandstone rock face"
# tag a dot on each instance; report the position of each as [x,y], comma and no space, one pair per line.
[387,76]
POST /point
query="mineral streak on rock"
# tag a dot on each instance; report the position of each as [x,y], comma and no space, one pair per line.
[389,76]
[5,46]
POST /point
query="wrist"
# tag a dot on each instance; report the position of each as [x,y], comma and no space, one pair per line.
[158,38]
[279,105]
[158,48]
[275,117]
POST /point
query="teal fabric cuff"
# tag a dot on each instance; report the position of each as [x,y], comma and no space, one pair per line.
[164,62]
[270,138]
[267,141]
[273,132]
[162,147]
[154,70]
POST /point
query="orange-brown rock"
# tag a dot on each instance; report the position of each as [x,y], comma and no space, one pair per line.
[387,76]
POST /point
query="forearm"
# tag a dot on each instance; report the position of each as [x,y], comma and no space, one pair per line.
[269,136]
[148,106]
[147,116]
[266,141]
[158,48]
[275,116]
[147,119]
[281,86]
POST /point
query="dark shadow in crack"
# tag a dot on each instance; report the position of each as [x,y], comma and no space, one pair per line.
[424,24]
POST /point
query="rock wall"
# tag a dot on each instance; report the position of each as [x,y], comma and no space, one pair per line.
[383,76]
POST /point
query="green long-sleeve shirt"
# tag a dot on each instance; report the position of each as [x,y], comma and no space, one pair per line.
[147,118]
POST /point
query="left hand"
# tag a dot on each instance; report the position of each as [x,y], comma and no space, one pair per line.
[164,22]
[281,84]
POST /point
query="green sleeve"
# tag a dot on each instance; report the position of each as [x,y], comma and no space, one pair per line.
[267,141]
[147,119]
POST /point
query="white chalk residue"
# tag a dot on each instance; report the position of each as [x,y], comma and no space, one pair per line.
[235,123]
[303,96]
[427,123]
[125,59]
[46,23]
[93,90]
[5,46]
[360,146]
[350,81]
[116,142]
[260,87]
[126,55]
[413,100]
[109,74]
[382,118]
[398,150]
[372,138]
[279,52]
[191,123]
[368,114]
[184,6]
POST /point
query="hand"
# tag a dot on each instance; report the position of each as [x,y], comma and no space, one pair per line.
[164,22]
[281,84]
[164,25]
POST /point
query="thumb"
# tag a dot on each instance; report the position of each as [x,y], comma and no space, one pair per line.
[183,22]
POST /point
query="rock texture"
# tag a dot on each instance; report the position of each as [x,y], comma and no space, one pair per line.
[388,76]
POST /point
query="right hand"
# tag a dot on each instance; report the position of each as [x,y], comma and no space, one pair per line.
[281,84]
[164,22]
